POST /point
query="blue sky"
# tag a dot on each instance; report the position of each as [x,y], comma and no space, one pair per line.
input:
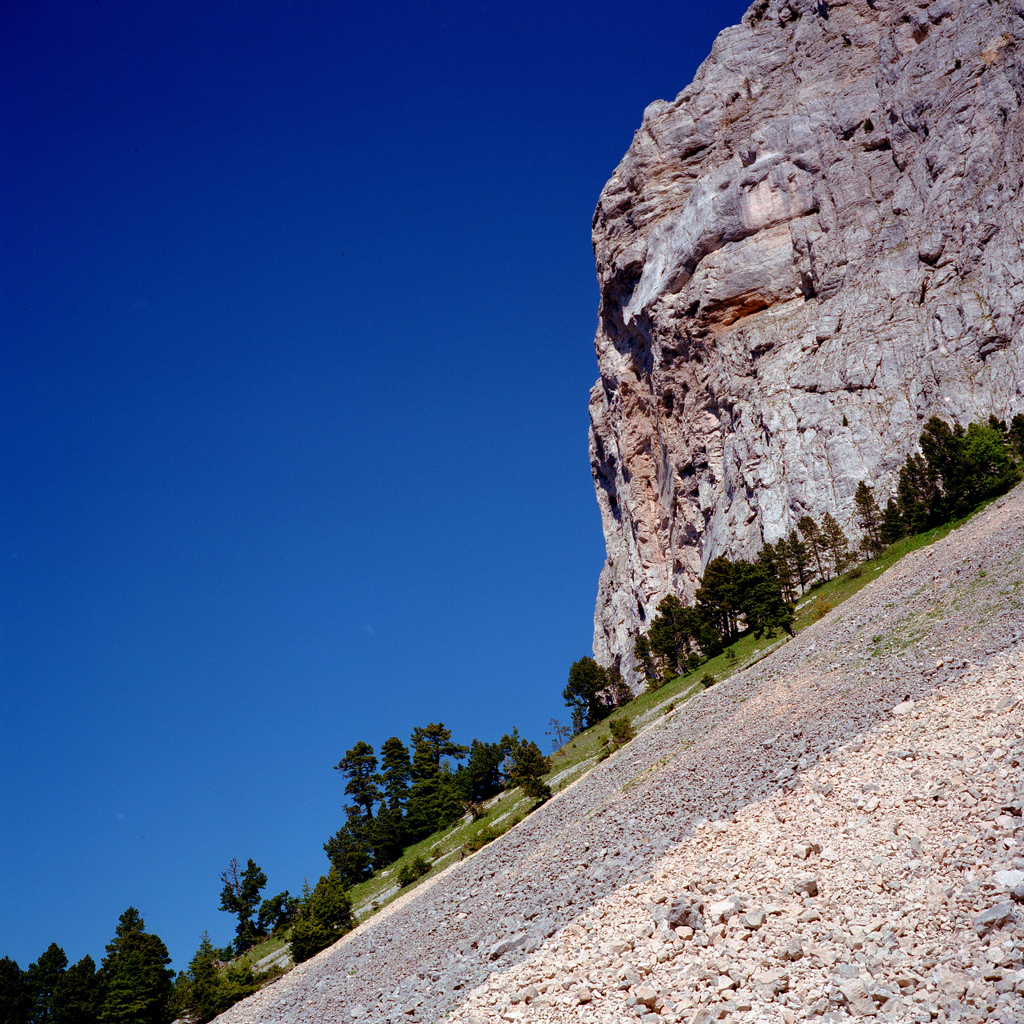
[296,315]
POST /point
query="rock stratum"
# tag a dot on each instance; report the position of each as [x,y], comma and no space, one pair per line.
[815,247]
[835,833]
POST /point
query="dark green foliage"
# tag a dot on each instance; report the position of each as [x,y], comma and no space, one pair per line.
[707,680]
[136,975]
[675,634]
[1015,436]
[435,798]
[588,693]
[644,658]
[408,873]
[483,777]
[869,519]
[718,598]
[325,915]
[815,544]
[396,772]
[527,765]
[41,979]
[241,896]
[276,912]
[348,849]
[79,994]
[437,741]
[15,1000]
[359,766]
[206,990]
[798,558]
[759,600]
[893,528]
[621,730]
[957,470]
[386,836]
[836,541]
[917,494]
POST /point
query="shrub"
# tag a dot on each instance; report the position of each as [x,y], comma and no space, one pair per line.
[822,607]
[622,730]
[855,573]
[408,873]
[707,680]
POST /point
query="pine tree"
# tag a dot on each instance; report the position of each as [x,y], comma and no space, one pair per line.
[815,542]
[396,772]
[79,994]
[15,1000]
[527,766]
[41,979]
[869,519]
[836,541]
[241,896]
[892,523]
[359,766]
[325,915]
[138,981]
[799,559]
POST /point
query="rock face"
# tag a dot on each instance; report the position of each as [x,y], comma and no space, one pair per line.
[811,250]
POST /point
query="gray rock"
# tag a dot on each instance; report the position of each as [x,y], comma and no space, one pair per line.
[805,254]
[993,919]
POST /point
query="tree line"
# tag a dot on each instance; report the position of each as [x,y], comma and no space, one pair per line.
[956,469]
[415,793]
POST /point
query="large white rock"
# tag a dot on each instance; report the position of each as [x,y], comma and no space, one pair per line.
[811,250]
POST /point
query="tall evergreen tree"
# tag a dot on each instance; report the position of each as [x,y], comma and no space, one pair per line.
[241,896]
[917,494]
[527,766]
[836,541]
[136,975]
[483,778]
[41,979]
[583,694]
[79,994]
[718,598]
[815,543]
[359,766]
[869,519]
[396,772]
[799,559]
[892,523]
[15,1000]
[349,849]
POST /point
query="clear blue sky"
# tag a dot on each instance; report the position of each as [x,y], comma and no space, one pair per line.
[297,305]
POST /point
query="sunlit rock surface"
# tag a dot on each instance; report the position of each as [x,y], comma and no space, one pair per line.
[811,250]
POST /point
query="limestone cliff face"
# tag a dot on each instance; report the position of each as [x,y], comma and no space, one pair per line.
[812,249]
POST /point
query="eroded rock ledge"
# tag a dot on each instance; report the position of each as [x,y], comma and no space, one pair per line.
[812,249]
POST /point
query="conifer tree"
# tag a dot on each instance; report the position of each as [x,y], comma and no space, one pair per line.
[241,896]
[79,994]
[42,979]
[869,519]
[359,766]
[396,772]
[136,975]
[815,542]
[836,541]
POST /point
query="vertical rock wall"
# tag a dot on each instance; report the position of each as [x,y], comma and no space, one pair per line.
[811,250]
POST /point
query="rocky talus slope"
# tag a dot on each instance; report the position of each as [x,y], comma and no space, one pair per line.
[810,250]
[832,834]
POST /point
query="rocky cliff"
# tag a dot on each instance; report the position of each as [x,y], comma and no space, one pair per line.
[812,249]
